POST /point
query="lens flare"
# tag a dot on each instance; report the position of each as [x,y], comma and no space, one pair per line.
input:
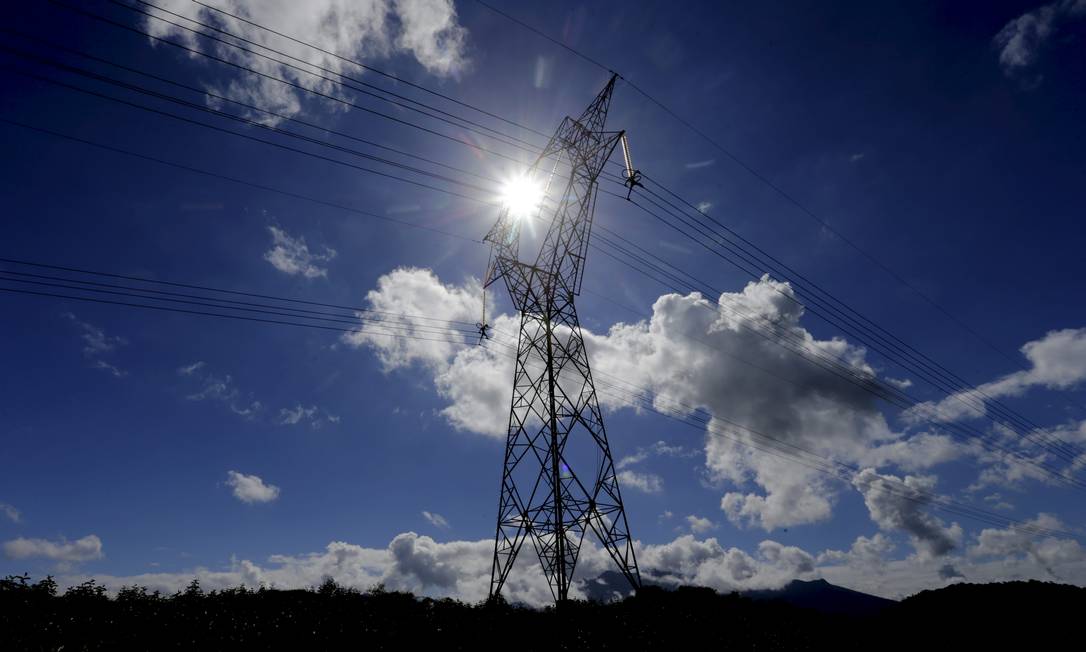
[522,196]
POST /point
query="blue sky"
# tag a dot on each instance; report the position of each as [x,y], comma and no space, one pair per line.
[942,139]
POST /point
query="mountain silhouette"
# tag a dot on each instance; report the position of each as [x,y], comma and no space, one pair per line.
[824,597]
[818,595]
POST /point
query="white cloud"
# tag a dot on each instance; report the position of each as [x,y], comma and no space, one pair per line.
[699,525]
[866,552]
[687,560]
[474,380]
[10,512]
[1021,39]
[86,549]
[250,488]
[97,344]
[430,32]
[188,370]
[704,206]
[700,164]
[1048,552]
[920,451]
[899,504]
[461,569]
[649,483]
[314,416]
[220,389]
[435,519]
[1057,362]
[292,255]
[658,449]
[364,30]
[692,353]
[996,500]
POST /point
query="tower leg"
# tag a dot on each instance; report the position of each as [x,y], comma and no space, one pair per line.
[555,432]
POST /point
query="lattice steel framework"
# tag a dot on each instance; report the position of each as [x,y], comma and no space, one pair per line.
[555,423]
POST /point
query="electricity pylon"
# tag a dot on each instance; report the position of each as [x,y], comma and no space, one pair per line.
[555,423]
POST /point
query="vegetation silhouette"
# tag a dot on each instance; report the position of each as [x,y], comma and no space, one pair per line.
[35,616]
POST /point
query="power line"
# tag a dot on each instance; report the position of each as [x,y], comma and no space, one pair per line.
[864,383]
[295,150]
[497,136]
[281,80]
[866,386]
[942,504]
[920,365]
[769,183]
[222,98]
[916,361]
[395,78]
[1065,450]
[382,314]
[549,38]
[217,315]
[957,389]
[324,69]
[243,120]
[892,395]
[243,182]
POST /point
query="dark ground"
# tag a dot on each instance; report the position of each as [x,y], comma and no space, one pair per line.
[1035,615]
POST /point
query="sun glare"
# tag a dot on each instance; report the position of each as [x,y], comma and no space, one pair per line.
[522,196]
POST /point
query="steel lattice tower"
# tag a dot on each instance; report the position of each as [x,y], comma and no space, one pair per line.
[555,423]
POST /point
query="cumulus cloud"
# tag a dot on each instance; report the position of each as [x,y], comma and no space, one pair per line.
[1022,39]
[86,549]
[692,354]
[1057,362]
[649,483]
[897,504]
[10,512]
[699,524]
[921,451]
[461,569]
[1049,552]
[686,560]
[292,255]
[96,345]
[865,552]
[475,381]
[250,488]
[435,519]
[431,33]
[364,30]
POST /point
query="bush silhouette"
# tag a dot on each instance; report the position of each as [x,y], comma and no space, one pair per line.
[331,616]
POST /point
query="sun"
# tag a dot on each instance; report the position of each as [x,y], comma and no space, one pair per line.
[522,195]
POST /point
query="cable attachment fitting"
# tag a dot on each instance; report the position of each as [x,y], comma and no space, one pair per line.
[484,328]
[633,177]
[484,331]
